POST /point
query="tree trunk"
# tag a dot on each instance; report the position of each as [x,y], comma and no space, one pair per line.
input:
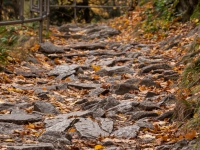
[187,7]
[1,8]
[86,12]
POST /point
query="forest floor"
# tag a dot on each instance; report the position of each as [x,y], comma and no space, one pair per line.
[100,86]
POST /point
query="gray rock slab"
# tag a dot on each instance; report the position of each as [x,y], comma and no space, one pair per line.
[144,123]
[68,27]
[88,46]
[58,139]
[99,32]
[110,71]
[97,92]
[61,126]
[50,48]
[63,70]
[142,114]
[148,106]
[129,96]
[149,83]
[89,129]
[19,118]
[167,114]
[40,146]
[133,54]
[123,107]
[98,113]
[121,89]
[44,107]
[8,128]
[6,106]
[107,103]
[106,124]
[127,132]
[61,117]
[84,85]
[151,67]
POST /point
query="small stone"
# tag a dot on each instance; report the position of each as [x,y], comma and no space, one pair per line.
[40,146]
[150,94]
[167,114]
[96,92]
[106,124]
[123,88]
[59,139]
[6,106]
[123,107]
[44,107]
[142,114]
[149,68]
[129,96]
[149,83]
[98,113]
[61,126]
[63,70]
[110,71]
[127,132]
[50,48]
[89,129]
[8,128]
[20,118]
[84,85]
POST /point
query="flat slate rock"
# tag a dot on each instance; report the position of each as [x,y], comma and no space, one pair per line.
[84,85]
[19,118]
[89,129]
[151,67]
[123,107]
[106,124]
[6,106]
[149,83]
[96,92]
[121,89]
[63,70]
[110,71]
[62,117]
[88,46]
[45,107]
[58,139]
[50,48]
[127,132]
[142,114]
[40,146]
[99,32]
[61,126]
[8,128]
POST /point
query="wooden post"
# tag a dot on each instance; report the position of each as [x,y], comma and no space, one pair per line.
[41,20]
[75,21]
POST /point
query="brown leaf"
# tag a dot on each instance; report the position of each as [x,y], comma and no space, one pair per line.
[190,135]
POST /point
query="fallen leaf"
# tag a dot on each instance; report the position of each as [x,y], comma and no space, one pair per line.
[97,147]
[190,135]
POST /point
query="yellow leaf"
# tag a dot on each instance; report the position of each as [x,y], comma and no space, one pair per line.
[30,126]
[9,140]
[96,68]
[97,147]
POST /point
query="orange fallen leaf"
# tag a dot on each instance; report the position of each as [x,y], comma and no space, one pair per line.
[97,147]
[190,135]
[96,68]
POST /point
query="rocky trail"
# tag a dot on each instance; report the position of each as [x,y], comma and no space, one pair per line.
[85,90]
